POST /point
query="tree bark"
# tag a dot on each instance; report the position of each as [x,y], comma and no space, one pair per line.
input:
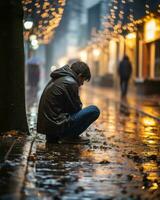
[12,85]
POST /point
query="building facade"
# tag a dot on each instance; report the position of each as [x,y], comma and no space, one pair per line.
[66,39]
[134,30]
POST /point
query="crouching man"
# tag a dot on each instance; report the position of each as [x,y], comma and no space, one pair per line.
[60,113]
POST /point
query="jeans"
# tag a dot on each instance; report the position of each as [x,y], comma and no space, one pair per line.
[81,120]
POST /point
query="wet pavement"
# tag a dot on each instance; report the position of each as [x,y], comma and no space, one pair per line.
[14,150]
[149,104]
[121,162]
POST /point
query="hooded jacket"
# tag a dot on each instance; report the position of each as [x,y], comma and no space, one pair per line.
[59,100]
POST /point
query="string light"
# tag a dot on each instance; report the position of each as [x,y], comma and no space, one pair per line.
[147,7]
[46,16]
[115,24]
[158,8]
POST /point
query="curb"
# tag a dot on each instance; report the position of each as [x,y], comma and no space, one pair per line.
[18,175]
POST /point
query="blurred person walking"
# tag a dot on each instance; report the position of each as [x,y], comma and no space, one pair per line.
[124,72]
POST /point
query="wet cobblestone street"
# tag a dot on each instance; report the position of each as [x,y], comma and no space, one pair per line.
[122,160]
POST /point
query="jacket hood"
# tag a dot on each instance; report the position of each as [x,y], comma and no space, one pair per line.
[63,71]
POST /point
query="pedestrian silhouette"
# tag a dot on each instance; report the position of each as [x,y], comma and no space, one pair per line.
[124,72]
[60,113]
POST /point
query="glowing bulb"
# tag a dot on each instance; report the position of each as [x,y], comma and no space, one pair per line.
[32,37]
[96,52]
[131,36]
[150,29]
[28,25]
[34,42]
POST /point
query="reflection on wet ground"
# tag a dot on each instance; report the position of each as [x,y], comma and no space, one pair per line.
[148,106]
[145,103]
[122,160]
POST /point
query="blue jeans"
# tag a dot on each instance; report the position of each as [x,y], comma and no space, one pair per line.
[81,120]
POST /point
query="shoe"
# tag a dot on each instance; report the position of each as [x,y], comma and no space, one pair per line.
[76,140]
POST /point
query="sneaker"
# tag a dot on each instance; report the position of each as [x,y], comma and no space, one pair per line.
[76,140]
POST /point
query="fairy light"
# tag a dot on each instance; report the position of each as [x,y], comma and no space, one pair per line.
[147,7]
[114,22]
[46,15]
[117,26]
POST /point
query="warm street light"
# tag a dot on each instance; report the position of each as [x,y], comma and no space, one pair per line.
[28,25]
[34,44]
[96,52]
[131,36]
[83,56]
[32,37]
[150,30]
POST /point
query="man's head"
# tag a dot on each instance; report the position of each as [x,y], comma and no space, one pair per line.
[82,70]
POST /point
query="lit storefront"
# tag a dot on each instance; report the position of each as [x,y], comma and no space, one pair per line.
[151,61]
[148,81]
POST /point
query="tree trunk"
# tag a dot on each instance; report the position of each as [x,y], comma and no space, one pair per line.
[12,92]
